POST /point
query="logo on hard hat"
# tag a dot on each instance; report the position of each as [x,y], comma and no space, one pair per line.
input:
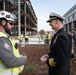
[8,16]
[2,13]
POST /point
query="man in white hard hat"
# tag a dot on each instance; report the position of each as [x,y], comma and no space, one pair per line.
[58,57]
[11,62]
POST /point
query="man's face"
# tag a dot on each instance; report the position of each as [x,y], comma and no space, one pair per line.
[8,25]
[53,24]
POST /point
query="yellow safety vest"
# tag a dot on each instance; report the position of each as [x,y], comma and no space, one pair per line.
[26,37]
[20,37]
[39,36]
[49,36]
[4,70]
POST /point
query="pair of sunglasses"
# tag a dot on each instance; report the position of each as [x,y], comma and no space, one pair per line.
[11,23]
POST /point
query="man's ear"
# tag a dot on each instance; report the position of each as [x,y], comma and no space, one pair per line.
[3,22]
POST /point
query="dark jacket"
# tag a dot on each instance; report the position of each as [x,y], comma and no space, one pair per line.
[59,50]
[70,44]
[74,37]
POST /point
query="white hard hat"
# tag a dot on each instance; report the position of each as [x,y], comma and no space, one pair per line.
[8,16]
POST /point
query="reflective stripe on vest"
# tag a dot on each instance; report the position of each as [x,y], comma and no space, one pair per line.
[3,68]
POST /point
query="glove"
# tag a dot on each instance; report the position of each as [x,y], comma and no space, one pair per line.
[21,68]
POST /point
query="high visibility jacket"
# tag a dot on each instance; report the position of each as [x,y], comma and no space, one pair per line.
[20,37]
[39,36]
[26,36]
[4,70]
[49,36]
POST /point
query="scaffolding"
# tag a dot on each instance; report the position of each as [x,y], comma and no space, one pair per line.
[26,18]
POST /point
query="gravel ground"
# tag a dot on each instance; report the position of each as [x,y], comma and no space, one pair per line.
[34,66]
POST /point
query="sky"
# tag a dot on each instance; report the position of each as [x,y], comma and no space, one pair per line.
[43,8]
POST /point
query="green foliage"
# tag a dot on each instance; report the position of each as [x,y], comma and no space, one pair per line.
[30,67]
[42,32]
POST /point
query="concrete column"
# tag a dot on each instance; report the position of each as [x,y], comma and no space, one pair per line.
[25,15]
[67,27]
[72,25]
[3,4]
[19,19]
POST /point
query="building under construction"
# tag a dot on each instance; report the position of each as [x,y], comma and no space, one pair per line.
[26,22]
[70,19]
